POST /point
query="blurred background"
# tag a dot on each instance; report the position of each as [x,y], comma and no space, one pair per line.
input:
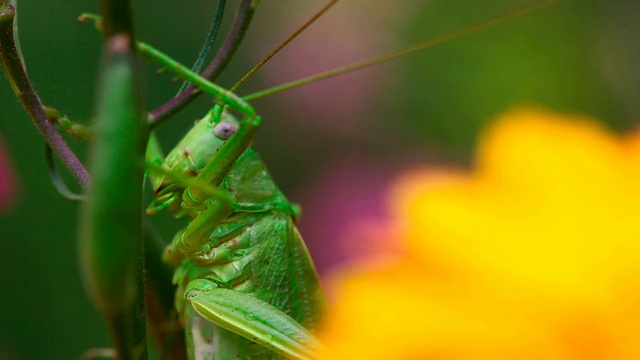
[333,147]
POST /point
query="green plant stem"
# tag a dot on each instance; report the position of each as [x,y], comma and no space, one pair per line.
[117,18]
[115,259]
[206,46]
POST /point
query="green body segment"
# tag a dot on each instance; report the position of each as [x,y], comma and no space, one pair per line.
[243,269]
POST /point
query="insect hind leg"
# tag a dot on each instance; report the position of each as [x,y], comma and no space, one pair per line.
[251,318]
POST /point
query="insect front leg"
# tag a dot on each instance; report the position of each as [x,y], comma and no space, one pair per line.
[220,164]
[218,167]
[194,240]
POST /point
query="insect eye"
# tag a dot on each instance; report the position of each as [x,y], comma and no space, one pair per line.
[224,130]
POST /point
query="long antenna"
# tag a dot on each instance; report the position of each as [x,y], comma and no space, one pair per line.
[283,44]
[510,15]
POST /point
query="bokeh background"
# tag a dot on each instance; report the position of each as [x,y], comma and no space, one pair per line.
[333,147]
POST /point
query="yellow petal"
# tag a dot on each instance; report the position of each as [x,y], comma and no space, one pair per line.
[532,256]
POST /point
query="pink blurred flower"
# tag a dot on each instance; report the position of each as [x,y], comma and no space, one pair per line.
[344,217]
[8,181]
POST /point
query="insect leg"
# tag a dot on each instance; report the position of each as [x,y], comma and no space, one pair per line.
[223,95]
[217,168]
[220,164]
[194,240]
[154,158]
[252,319]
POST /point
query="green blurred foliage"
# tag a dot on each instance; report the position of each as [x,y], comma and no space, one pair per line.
[561,58]
[577,56]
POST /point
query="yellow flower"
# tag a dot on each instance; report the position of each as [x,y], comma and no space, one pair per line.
[536,255]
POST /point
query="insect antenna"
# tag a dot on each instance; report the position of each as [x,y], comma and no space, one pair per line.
[277,49]
[496,20]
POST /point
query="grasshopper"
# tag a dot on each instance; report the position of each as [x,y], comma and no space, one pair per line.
[246,285]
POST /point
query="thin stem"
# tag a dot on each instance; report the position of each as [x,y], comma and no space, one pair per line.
[57,180]
[211,38]
[15,72]
[77,130]
[243,18]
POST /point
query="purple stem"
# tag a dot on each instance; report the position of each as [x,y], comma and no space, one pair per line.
[22,87]
[220,61]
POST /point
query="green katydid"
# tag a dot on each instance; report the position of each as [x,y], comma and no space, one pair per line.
[243,265]
[241,237]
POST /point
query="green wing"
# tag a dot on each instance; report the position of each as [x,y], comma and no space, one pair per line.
[280,273]
[282,270]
